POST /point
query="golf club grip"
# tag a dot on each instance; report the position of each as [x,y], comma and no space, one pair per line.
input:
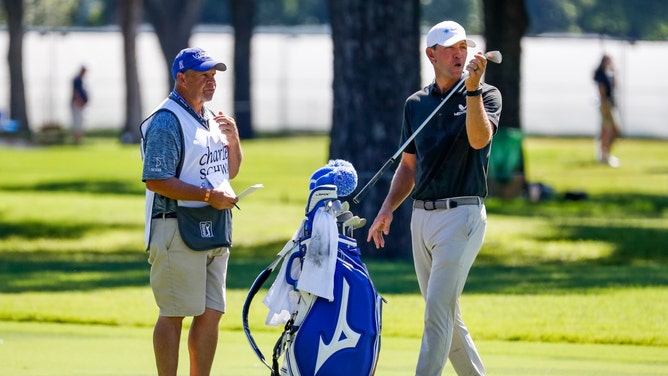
[358,197]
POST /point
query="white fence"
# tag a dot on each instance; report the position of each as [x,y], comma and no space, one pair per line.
[292,76]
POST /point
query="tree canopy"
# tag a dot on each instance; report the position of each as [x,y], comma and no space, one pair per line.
[623,19]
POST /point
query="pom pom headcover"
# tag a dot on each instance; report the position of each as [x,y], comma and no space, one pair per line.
[338,172]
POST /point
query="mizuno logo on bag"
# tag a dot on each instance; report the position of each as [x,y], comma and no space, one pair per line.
[344,336]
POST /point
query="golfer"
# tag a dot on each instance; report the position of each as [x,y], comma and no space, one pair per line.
[444,169]
[190,154]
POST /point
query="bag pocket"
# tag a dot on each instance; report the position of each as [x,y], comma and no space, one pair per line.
[205,228]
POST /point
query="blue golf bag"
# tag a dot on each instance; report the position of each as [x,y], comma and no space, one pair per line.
[323,296]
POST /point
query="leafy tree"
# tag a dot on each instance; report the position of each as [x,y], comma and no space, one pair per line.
[270,12]
[292,12]
[626,19]
[50,13]
[376,66]
[468,13]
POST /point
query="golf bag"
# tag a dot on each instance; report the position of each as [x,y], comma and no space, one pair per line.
[323,296]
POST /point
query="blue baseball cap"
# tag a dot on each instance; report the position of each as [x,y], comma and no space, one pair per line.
[196,59]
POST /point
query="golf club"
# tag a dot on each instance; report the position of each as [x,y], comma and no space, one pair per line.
[493,56]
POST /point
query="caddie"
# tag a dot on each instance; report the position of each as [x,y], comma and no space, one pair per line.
[189,155]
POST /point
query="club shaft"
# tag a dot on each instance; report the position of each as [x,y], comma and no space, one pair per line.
[428,119]
[493,56]
[401,149]
[358,197]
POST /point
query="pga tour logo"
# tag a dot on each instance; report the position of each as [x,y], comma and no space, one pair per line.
[206,229]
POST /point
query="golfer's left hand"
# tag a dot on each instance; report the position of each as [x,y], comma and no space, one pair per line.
[476,68]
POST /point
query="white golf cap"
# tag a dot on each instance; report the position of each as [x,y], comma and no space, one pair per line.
[447,33]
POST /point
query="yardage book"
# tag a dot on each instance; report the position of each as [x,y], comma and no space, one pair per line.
[249,190]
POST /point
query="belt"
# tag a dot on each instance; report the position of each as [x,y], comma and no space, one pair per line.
[447,203]
[164,215]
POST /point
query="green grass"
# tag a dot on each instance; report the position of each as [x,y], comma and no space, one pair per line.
[550,275]
[29,349]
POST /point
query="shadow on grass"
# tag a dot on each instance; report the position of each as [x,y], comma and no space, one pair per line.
[629,244]
[117,187]
[49,271]
[54,230]
[399,278]
[65,271]
[639,257]
[608,205]
[562,278]
[635,224]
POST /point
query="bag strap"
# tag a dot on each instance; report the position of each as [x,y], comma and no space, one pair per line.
[255,287]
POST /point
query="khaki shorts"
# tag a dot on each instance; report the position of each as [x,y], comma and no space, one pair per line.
[185,282]
[609,116]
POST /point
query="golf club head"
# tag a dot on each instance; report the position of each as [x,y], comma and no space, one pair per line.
[494,56]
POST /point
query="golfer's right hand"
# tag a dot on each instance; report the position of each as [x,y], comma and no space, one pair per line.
[380,227]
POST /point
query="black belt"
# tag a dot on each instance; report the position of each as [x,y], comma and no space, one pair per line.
[165,215]
[447,203]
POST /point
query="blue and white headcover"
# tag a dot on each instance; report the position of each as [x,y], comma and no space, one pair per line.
[338,172]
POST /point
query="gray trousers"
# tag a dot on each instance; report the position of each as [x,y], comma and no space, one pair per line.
[445,244]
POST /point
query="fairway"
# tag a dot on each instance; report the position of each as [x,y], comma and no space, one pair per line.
[560,287]
[32,349]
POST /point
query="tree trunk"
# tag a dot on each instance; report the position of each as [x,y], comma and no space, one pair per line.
[130,16]
[242,20]
[173,21]
[506,22]
[17,99]
[376,66]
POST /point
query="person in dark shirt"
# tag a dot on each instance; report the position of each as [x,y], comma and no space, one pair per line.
[78,103]
[444,170]
[604,76]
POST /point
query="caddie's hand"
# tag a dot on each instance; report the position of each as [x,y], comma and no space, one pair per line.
[476,68]
[228,127]
[222,199]
[380,227]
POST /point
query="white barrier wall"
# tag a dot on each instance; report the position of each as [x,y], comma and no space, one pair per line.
[292,76]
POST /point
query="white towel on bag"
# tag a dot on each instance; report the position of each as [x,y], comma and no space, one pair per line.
[317,275]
